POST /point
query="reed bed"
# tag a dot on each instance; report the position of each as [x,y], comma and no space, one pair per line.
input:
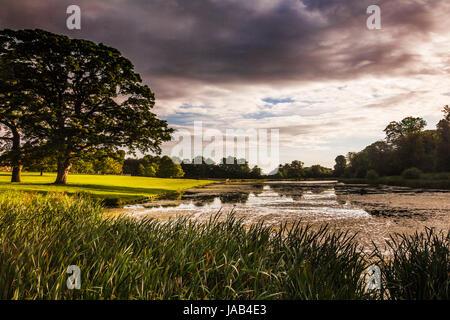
[419,268]
[122,258]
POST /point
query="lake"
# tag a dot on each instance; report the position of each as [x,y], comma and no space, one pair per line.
[356,209]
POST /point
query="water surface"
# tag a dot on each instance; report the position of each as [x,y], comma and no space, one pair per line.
[273,203]
[315,203]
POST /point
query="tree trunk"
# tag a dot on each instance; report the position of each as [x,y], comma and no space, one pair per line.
[63,170]
[16,156]
[16,173]
[42,173]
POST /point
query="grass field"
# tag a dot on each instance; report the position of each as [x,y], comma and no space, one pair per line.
[110,187]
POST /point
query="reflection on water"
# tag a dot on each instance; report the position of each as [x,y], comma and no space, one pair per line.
[312,203]
[273,203]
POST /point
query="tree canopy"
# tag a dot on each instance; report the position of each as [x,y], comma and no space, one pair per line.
[408,125]
[85,96]
[14,115]
[407,145]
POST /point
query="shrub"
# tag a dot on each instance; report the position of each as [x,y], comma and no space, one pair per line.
[412,173]
[361,173]
[372,175]
[420,267]
[112,202]
[443,176]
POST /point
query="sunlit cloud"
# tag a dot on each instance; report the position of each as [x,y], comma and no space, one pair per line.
[310,68]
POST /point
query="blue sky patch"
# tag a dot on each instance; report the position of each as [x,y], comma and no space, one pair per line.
[186,119]
[278,101]
[260,115]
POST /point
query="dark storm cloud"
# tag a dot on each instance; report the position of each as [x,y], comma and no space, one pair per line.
[232,41]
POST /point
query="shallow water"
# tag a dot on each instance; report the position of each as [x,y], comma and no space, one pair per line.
[269,205]
[314,203]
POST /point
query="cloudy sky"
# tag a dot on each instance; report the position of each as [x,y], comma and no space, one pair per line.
[310,68]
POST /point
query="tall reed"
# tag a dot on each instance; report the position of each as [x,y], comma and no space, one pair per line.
[419,268]
[121,258]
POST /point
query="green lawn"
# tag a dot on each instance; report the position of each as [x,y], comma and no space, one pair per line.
[123,188]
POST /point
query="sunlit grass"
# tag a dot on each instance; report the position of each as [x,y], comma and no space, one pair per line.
[125,188]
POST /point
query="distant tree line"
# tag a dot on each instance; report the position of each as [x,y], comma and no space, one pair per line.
[111,162]
[153,166]
[93,162]
[296,170]
[406,146]
[229,167]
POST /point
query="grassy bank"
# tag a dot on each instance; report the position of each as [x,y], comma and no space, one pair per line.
[113,188]
[427,181]
[41,235]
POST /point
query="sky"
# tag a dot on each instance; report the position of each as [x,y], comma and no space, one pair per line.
[309,68]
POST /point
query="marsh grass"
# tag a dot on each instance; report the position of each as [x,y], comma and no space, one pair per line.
[419,267]
[121,258]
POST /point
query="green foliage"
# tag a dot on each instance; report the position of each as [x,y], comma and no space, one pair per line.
[408,125]
[412,173]
[317,171]
[149,170]
[42,164]
[340,166]
[406,146]
[168,169]
[132,167]
[122,258]
[295,170]
[229,168]
[443,147]
[443,176]
[419,268]
[256,172]
[361,172]
[15,151]
[82,111]
[153,166]
[127,259]
[99,161]
[372,175]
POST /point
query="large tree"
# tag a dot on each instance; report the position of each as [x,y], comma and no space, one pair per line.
[399,129]
[339,167]
[13,115]
[443,149]
[86,96]
[168,169]
[380,157]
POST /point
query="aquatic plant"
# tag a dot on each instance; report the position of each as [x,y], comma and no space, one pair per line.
[419,268]
[122,258]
